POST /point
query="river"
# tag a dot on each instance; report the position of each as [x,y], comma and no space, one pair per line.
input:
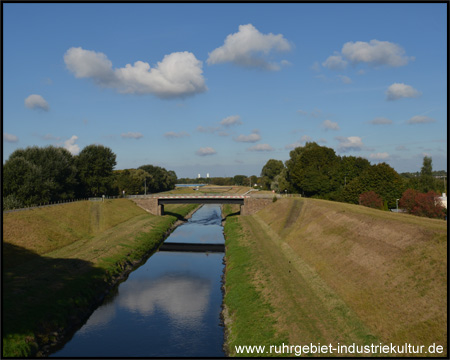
[169,307]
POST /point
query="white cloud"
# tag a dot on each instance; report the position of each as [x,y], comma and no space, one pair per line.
[261,147]
[379,156]
[329,125]
[349,143]
[36,102]
[10,138]
[205,151]
[305,138]
[380,121]
[345,79]
[375,52]
[131,135]
[248,47]
[231,120]
[293,145]
[179,74]
[399,90]
[335,62]
[176,135]
[420,119]
[70,145]
[253,137]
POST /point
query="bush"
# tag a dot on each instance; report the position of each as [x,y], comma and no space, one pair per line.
[421,204]
[371,199]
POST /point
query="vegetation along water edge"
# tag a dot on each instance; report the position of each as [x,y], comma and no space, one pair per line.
[60,262]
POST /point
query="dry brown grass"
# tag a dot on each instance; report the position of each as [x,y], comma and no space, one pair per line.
[389,270]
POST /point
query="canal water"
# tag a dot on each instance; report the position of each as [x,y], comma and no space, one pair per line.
[168,307]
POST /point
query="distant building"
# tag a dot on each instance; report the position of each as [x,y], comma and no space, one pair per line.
[443,200]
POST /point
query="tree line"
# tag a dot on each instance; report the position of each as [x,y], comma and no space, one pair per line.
[316,171]
[50,174]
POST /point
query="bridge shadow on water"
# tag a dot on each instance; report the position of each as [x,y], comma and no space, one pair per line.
[178,216]
[42,295]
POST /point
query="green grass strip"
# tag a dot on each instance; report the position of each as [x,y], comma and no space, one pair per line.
[250,320]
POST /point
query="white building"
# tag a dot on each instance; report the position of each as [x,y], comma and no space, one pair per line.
[443,200]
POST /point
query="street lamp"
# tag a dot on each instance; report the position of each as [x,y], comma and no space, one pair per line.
[396,203]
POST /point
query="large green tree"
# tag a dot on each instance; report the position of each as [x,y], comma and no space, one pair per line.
[270,170]
[159,179]
[39,175]
[311,169]
[380,178]
[426,179]
[95,165]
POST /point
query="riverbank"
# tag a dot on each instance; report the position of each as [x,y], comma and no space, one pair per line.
[60,262]
[305,271]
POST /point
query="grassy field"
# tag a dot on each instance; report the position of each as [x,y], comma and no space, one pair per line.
[58,263]
[336,273]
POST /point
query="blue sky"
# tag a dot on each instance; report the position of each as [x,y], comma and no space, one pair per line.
[222,88]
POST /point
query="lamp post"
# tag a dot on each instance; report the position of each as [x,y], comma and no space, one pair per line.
[145,186]
[396,203]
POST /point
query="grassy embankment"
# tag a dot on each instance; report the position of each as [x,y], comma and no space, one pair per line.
[307,271]
[59,262]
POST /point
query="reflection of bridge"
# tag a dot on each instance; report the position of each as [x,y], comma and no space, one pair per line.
[248,205]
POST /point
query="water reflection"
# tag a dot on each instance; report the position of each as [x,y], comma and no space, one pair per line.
[170,306]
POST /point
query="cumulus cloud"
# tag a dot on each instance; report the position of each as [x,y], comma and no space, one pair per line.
[349,143]
[379,156]
[420,119]
[335,62]
[204,151]
[380,121]
[131,135]
[253,137]
[399,90]
[231,120]
[330,125]
[70,145]
[179,74]
[10,138]
[36,102]
[261,147]
[375,53]
[249,48]
[175,135]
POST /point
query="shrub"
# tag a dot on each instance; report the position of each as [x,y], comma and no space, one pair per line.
[371,199]
[421,204]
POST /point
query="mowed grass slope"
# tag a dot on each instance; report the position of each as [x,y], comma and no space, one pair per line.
[340,273]
[58,261]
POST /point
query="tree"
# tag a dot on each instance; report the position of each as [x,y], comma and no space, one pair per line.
[39,175]
[371,199]
[311,169]
[95,165]
[239,179]
[270,171]
[380,178]
[426,180]
[159,178]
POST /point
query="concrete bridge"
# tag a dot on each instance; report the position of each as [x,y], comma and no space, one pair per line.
[248,205]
